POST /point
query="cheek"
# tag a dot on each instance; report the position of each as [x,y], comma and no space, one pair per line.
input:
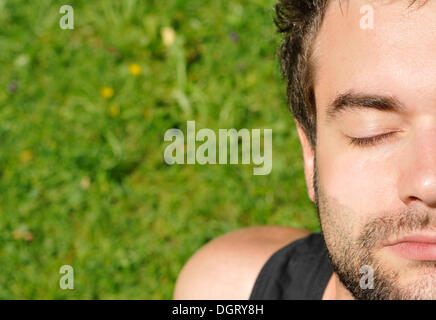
[360,180]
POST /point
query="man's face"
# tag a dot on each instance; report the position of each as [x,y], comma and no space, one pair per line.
[375,92]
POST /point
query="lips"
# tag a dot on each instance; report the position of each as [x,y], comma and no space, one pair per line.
[420,247]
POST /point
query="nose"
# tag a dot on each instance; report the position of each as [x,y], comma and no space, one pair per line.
[418,178]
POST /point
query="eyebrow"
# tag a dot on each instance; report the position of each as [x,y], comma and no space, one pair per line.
[352,101]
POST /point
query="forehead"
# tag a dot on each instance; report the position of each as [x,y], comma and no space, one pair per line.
[397,57]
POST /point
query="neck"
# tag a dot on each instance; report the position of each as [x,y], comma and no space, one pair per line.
[335,290]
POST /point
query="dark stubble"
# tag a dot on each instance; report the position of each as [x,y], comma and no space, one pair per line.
[348,254]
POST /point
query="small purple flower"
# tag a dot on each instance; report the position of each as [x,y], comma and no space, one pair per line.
[13,86]
[234,36]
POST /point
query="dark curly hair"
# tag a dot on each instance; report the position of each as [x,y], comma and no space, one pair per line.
[299,21]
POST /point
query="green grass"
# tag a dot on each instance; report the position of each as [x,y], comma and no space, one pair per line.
[86,185]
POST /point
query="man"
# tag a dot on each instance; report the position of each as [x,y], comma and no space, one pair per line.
[364,100]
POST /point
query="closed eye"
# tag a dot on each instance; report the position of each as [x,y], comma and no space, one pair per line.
[370,141]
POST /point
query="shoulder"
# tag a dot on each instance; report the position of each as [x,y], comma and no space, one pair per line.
[227,267]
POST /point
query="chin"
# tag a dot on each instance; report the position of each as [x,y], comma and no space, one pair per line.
[406,280]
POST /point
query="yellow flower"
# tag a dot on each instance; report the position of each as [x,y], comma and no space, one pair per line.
[107,92]
[135,69]
[85,183]
[114,110]
[168,36]
[22,234]
[26,156]
[147,114]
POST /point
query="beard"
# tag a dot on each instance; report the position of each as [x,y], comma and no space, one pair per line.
[348,253]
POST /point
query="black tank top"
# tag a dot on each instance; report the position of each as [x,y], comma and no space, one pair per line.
[298,271]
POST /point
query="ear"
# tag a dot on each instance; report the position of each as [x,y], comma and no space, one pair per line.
[309,161]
